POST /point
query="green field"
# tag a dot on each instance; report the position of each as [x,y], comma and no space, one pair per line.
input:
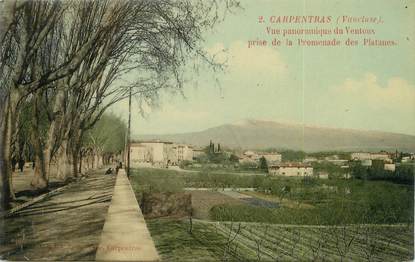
[334,201]
[320,220]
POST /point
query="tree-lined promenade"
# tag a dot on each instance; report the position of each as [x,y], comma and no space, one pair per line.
[63,63]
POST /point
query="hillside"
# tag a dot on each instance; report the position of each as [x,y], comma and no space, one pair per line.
[256,134]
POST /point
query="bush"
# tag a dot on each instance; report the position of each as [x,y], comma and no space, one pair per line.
[403,174]
[185,163]
[263,165]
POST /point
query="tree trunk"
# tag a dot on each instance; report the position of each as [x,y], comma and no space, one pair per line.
[81,160]
[40,178]
[39,181]
[51,135]
[77,157]
[75,160]
[4,196]
[62,162]
[6,124]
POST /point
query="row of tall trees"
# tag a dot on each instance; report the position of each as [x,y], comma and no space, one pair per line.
[63,63]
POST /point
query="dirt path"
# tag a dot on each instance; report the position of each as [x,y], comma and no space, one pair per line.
[66,226]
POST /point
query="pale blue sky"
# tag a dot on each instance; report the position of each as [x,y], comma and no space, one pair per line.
[360,87]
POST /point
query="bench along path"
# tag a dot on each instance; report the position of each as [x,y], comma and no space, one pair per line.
[125,236]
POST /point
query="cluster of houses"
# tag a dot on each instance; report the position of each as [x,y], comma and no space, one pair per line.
[156,153]
[291,169]
[254,157]
[389,161]
[367,159]
[275,165]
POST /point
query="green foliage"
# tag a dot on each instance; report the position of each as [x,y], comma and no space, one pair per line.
[292,155]
[185,163]
[331,201]
[157,180]
[108,134]
[321,155]
[152,177]
[248,166]
[263,165]
[25,133]
[202,159]
[216,157]
[404,174]
[332,169]
[375,207]
[234,158]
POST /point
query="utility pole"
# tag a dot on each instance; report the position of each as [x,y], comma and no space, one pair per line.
[129,135]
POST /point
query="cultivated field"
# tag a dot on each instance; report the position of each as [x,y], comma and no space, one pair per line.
[232,241]
[283,219]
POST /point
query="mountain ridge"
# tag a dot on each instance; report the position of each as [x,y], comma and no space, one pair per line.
[261,134]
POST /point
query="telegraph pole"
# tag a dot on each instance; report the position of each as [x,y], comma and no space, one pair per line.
[129,135]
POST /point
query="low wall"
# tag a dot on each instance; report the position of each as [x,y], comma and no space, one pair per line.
[166,204]
[125,236]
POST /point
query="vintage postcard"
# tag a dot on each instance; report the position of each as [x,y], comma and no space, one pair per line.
[207,130]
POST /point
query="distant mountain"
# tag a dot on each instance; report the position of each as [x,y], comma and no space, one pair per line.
[257,134]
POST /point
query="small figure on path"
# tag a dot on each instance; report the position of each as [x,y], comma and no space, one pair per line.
[119,166]
[109,171]
[21,164]
[14,162]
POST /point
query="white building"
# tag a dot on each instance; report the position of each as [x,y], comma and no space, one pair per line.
[390,167]
[140,153]
[380,156]
[247,160]
[153,152]
[322,175]
[250,156]
[338,162]
[370,156]
[310,160]
[159,153]
[406,159]
[271,157]
[291,169]
[366,162]
[182,153]
[360,156]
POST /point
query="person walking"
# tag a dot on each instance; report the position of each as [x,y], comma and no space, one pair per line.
[14,162]
[21,164]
